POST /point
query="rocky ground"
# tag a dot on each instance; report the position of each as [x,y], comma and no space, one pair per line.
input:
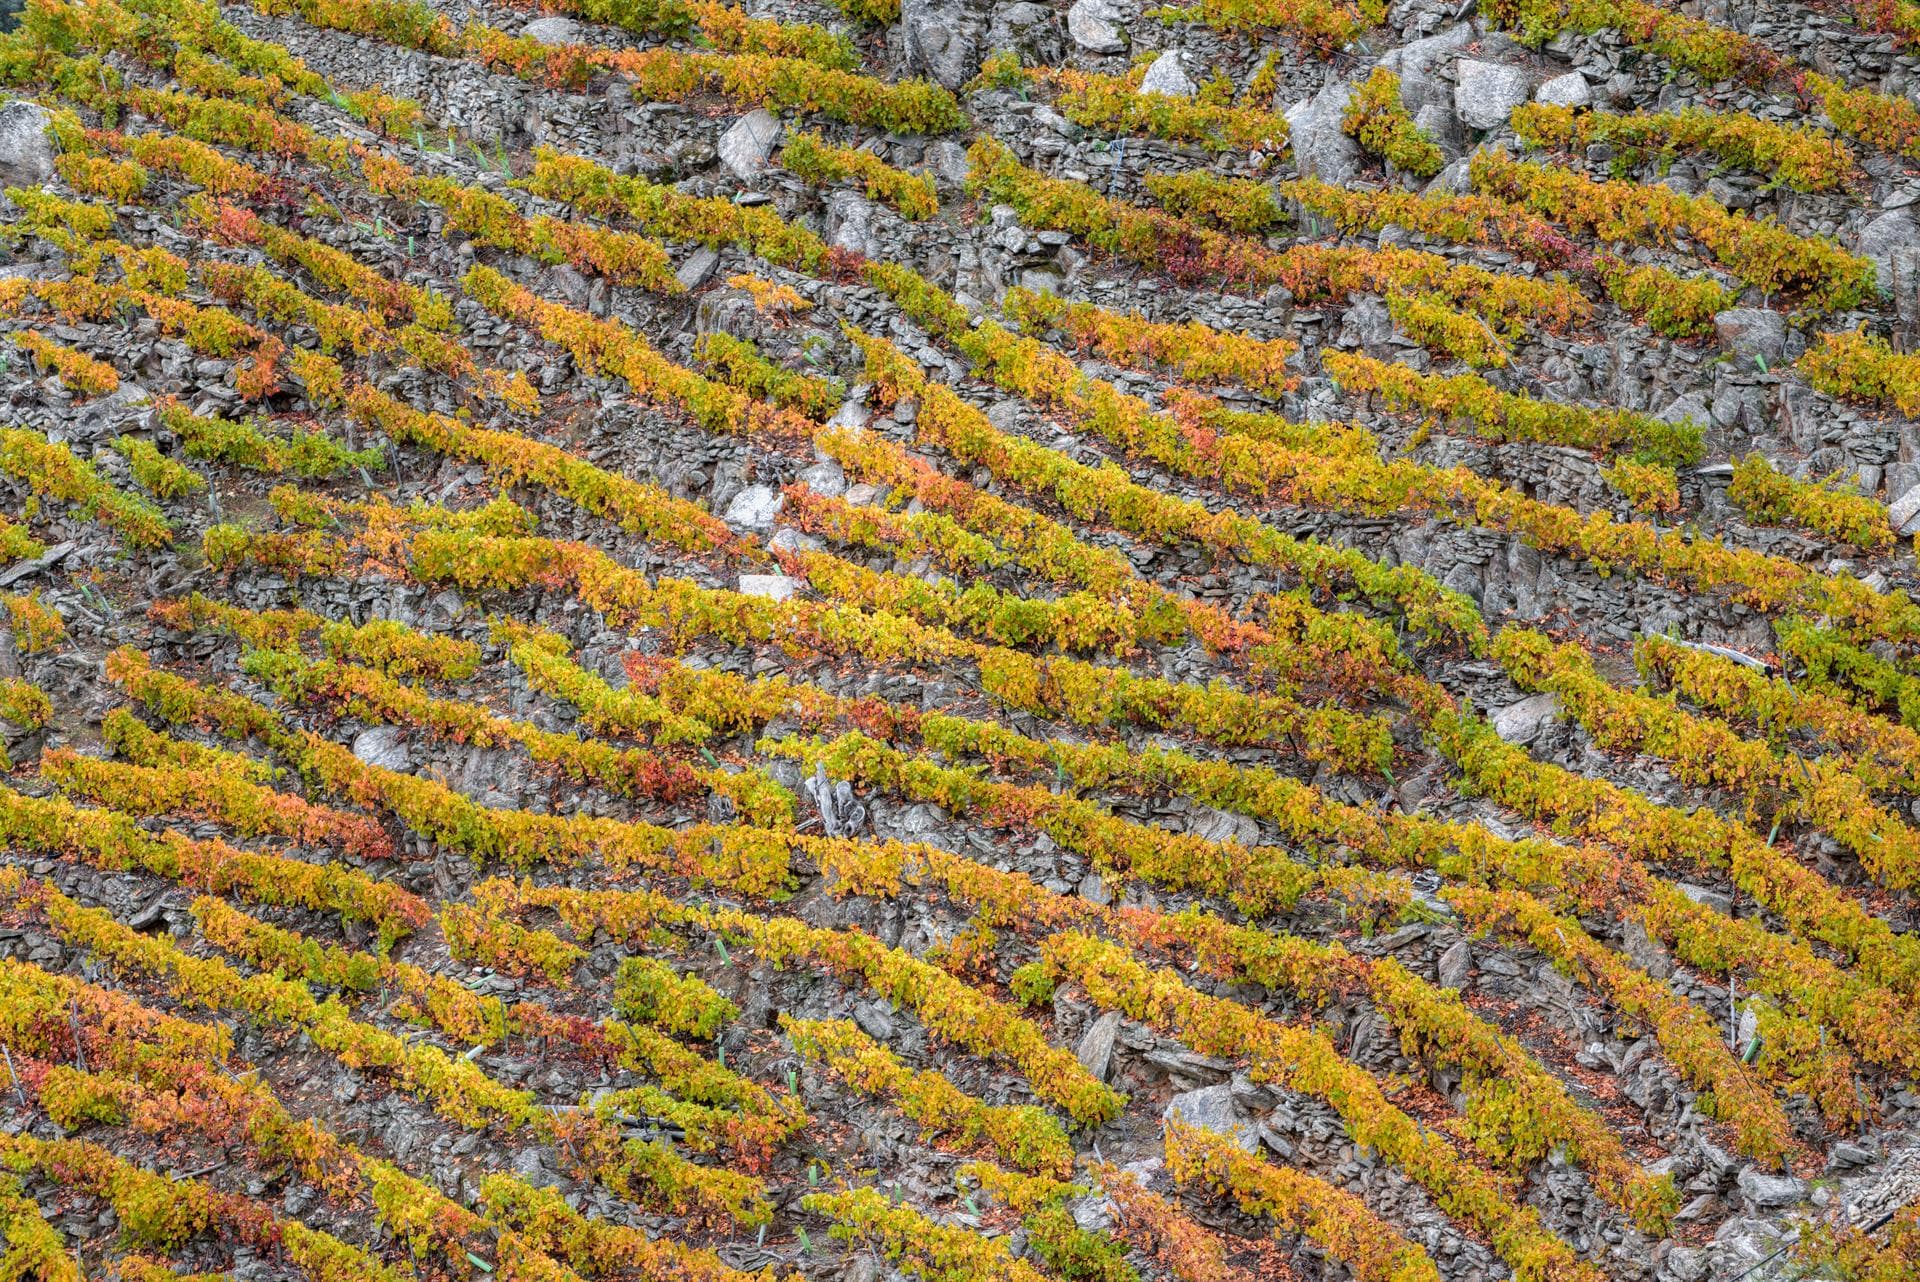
[1470,956]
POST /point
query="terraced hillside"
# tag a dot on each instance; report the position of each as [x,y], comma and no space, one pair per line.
[970,640]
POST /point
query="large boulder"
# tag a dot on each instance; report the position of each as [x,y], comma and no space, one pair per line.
[1752,331]
[1168,75]
[1095,1051]
[1320,148]
[1904,512]
[1454,180]
[1225,825]
[748,142]
[1570,90]
[942,40]
[1095,26]
[1771,1192]
[1419,63]
[1903,271]
[1487,92]
[1031,30]
[850,223]
[1211,1108]
[557,31]
[1879,240]
[384,747]
[1522,722]
[26,152]
[754,508]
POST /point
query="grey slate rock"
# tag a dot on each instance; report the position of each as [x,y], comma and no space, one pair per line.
[748,142]
[1643,951]
[556,31]
[1211,1108]
[1095,26]
[698,266]
[1168,75]
[1771,1192]
[1225,825]
[850,223]
[754,508]
[942,39]
[1752,331]
[1418,63]
[1570,90]
[1522,722]
[1904,512]
[1320,149]
[1487,93]
[828,479]
[1095,1051]
[1687,1264]
[1879,240]
[1706,898]
[383,746]
[26,153]
[1454,180]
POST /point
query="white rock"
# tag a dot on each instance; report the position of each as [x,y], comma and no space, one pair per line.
[1487,92]
[1570,90]
[1095,26]
[1455,180]
[851,414]
[1691,407]
[1168,75]
[384,747]
[1419,63]
[947,160]
[775,587]
[850,223]
[1095,1051]
[754,508]
[1770,1192]
[1904,512]
[1522,722]
[1752,331]
[1879,240]
[1321,149]
[1211,1108]
[827,478]
[26,153]
[1225,825]
[556,31]
[942,40]
[748,142]
[788,539]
